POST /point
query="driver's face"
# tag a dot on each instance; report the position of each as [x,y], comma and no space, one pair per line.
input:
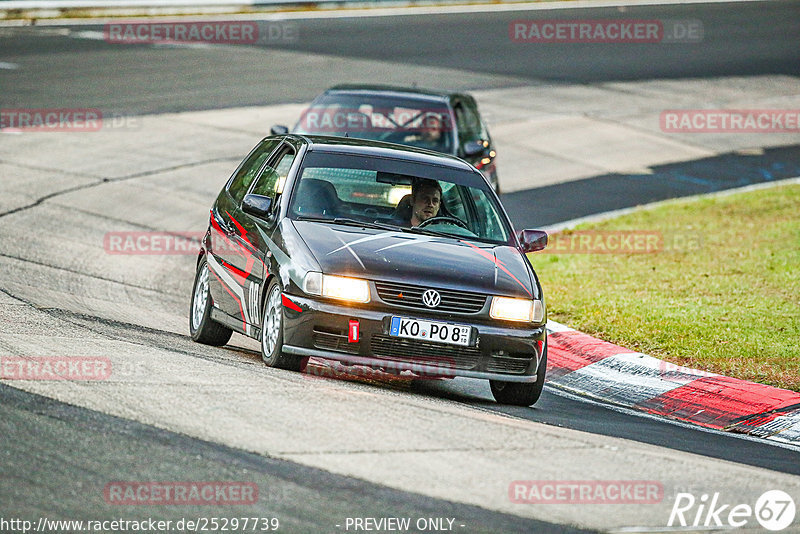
[433,129]
[426,205]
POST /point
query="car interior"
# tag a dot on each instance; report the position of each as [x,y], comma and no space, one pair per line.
[370,200]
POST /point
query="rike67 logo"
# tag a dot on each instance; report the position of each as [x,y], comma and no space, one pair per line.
[774,510]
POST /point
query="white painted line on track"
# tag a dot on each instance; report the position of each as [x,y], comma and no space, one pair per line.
[8,66]
[89,34]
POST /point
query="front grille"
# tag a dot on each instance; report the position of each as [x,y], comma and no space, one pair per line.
[508,364]
[425,352]
[411,296]
[334,341]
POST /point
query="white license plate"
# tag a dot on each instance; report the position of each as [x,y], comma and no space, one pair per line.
[430,331]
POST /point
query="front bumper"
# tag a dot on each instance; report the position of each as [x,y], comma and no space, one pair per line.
[320,329]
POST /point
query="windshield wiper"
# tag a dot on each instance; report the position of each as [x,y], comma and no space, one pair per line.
[418,230]
[354,222]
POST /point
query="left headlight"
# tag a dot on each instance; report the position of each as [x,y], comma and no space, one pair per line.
[336,287]
[522,310]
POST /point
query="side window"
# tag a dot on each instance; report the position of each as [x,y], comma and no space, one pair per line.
[453,201]
[468,124]
[249,169]
[274,175]
[488,217]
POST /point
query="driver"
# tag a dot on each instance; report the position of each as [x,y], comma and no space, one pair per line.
[430,134]
[426,199]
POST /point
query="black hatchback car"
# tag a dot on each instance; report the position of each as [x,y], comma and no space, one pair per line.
[372,254]
[447,122]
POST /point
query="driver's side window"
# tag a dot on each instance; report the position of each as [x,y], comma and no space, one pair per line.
[274,174]
[249,170]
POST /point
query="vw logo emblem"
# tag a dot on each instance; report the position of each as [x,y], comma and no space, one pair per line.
[431,298]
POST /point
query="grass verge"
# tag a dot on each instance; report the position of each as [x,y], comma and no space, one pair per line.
[721,292]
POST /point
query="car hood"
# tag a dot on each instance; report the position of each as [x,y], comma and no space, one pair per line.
[417,259]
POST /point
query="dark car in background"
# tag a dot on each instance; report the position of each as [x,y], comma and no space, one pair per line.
[447,122]
[309,250]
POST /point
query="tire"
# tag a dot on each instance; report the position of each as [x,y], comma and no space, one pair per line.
[272,333]
[519,393]
[202,328]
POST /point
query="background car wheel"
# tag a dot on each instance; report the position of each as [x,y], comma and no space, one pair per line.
[202,328]
[272,333]
[521,394]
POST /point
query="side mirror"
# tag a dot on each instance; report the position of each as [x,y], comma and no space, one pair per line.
[473,148]
[532,240]
[257,205]
[279,129]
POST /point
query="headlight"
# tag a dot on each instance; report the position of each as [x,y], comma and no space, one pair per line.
[336,287]
[523,310]
[339,287]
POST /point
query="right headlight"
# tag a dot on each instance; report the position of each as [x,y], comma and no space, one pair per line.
[520,310]
[336,287]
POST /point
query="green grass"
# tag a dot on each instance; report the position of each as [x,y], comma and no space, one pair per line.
[728,303]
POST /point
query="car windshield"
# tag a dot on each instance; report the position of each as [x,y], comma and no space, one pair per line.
[407,121]
[351,189]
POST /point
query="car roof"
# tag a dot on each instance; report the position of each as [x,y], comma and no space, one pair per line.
[353,145]
[394,90]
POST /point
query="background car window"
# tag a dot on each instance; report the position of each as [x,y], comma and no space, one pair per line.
[409,121]
[247,172]
[273,177]
[468,124]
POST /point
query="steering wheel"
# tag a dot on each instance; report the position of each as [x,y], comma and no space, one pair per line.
[444,218]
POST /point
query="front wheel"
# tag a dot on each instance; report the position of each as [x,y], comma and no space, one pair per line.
[202,327]
[521,393]
[272,333]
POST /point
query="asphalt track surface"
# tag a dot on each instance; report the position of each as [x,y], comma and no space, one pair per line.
[739,40]
[304,499]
